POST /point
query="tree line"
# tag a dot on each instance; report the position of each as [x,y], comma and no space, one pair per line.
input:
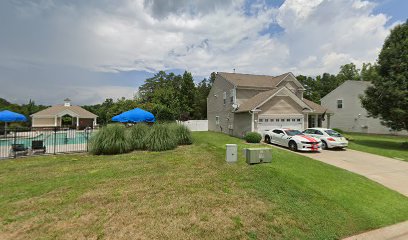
[176,97]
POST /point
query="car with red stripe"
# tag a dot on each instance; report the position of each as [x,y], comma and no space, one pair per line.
[293,139]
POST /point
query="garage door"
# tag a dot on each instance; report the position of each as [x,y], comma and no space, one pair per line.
[267,122]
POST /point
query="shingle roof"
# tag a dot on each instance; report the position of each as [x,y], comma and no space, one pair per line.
[316,107]
[250,80]
[55,110]
[256,100]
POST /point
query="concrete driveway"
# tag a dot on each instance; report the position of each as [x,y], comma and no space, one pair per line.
[386,171]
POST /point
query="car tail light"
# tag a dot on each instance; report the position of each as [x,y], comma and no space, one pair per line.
[331,139]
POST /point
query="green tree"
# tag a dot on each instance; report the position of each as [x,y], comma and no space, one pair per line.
[387,98]
[348,72]
[369,72]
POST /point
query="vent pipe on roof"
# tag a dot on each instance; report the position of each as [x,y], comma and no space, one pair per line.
[233,70]
[67,102]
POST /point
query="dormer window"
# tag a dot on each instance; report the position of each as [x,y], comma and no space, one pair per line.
[339,103]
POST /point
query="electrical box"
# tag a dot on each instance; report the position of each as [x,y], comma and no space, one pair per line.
[232,153]
[258,155]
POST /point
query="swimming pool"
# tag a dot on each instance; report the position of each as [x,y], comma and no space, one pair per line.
[50,138]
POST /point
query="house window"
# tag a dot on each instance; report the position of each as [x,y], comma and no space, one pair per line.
[339,103]
[261,120]
[272,120]
[266,120]
[277,120]
[217,120]
[282,120]
[225,97]
[293,120]
[298,119]
[288,120]
[232,96]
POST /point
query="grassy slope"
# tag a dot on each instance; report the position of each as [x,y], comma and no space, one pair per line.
[189,192]
[388,146]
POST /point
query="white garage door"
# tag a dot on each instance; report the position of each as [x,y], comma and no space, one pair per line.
[267,122]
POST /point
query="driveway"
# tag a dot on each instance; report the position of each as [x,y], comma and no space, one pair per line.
[386,171]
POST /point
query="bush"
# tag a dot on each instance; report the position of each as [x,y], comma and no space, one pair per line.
[160,138]
[110,139]
[253,137]
[182,133]
[338,130]
[404,145]
[136,136]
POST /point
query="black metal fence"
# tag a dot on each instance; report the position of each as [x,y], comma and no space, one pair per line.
[20,142]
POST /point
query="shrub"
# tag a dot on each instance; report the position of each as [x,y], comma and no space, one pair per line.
[404,145]
[182,133]
[253,137]
[160,138]
[110,139]
[338,130]
[136,136]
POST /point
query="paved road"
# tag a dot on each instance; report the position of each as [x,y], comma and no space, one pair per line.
[386,171]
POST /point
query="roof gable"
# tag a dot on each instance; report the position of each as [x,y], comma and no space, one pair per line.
[61,110]
[263,97]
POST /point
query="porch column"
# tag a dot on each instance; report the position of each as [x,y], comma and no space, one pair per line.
[55,121]
[328,121]
[316,117]
[77,124]
[252,122]
[94,123]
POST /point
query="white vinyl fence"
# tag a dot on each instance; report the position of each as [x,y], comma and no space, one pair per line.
[196,125]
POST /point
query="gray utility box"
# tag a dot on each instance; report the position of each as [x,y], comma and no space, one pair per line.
[232,153]
[258,155]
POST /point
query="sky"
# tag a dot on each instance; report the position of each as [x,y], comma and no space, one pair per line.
[97,49]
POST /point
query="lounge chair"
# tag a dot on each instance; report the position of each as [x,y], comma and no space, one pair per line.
[38,147]
[18,149]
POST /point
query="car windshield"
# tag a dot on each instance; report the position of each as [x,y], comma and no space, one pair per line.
[293,132]
[333,133]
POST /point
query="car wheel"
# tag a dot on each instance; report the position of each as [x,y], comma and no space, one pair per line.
[293,146]
[324,145]
[267,139]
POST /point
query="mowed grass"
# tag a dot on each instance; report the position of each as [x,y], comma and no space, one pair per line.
[189,193]
[384,145]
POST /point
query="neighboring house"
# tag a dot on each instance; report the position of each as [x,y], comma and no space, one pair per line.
[54,117]
[349,115]
[239,103]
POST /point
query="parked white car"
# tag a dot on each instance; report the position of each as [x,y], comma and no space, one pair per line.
[294,139]
[329,137]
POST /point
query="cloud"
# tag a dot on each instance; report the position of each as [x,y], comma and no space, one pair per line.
[91,40]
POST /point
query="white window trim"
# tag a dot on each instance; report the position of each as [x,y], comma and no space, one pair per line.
[233,94]
[225,97]
[217,120]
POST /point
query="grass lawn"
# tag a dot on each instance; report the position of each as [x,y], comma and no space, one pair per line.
[384,145]
[189,193]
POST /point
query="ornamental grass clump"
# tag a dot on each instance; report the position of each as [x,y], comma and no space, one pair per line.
[160,138]
[110,139]
[182,133]
[136,136]
[253,137]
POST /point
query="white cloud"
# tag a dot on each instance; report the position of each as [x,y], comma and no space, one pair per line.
[202,36]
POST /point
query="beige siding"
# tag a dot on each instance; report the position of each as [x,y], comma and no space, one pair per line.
[281,105]
[43,122]
[242,124]
[291,83]
[245,94]
[216,106]
[352,117]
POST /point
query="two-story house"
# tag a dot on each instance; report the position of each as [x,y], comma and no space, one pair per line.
[239,103]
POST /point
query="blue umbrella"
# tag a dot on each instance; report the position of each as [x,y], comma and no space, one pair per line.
[134,116]
[9,116]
